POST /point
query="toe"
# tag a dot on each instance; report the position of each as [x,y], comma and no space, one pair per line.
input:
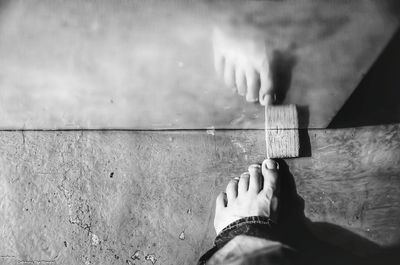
[267,99]
[255,177]
[232,190]
[266,88]
[253,85]
[219,64]
[219,57]
[240,82]
[221,201]
[243,185]
[229,74]
[270,174]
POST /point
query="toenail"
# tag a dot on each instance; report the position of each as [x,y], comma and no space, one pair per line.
[271,164]
[254,167]
[252,99]
[236,178]
[267,99]
[245,174]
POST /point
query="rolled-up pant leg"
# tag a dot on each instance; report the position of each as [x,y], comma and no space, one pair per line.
[250,240]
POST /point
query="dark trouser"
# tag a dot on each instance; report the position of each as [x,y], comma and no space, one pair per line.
[250,240]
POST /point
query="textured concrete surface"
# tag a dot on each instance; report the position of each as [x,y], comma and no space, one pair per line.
[107,197]
[148,64]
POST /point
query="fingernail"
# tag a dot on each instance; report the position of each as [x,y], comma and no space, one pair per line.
[271,164]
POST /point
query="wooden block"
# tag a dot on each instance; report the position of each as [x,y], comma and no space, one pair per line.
[281,131]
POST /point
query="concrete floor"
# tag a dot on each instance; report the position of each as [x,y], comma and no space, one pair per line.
[148,64]
[98,197]
[142,197]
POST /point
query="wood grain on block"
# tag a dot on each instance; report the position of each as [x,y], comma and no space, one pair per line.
[281,131]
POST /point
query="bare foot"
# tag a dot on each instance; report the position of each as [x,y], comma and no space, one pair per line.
[254,193]
[241,60]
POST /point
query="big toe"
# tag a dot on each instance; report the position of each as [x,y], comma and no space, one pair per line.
[253,85]
[270,175]
[267,99]
[270,186]
[266,93]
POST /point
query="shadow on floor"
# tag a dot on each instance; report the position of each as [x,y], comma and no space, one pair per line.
[376,99]
[341,246]
[282,66]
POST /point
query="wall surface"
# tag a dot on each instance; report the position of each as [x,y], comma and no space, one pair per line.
[99,197]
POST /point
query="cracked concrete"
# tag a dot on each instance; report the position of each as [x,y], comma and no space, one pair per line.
[117,197]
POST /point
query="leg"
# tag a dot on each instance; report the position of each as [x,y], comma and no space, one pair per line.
[244,220]
[252,194]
